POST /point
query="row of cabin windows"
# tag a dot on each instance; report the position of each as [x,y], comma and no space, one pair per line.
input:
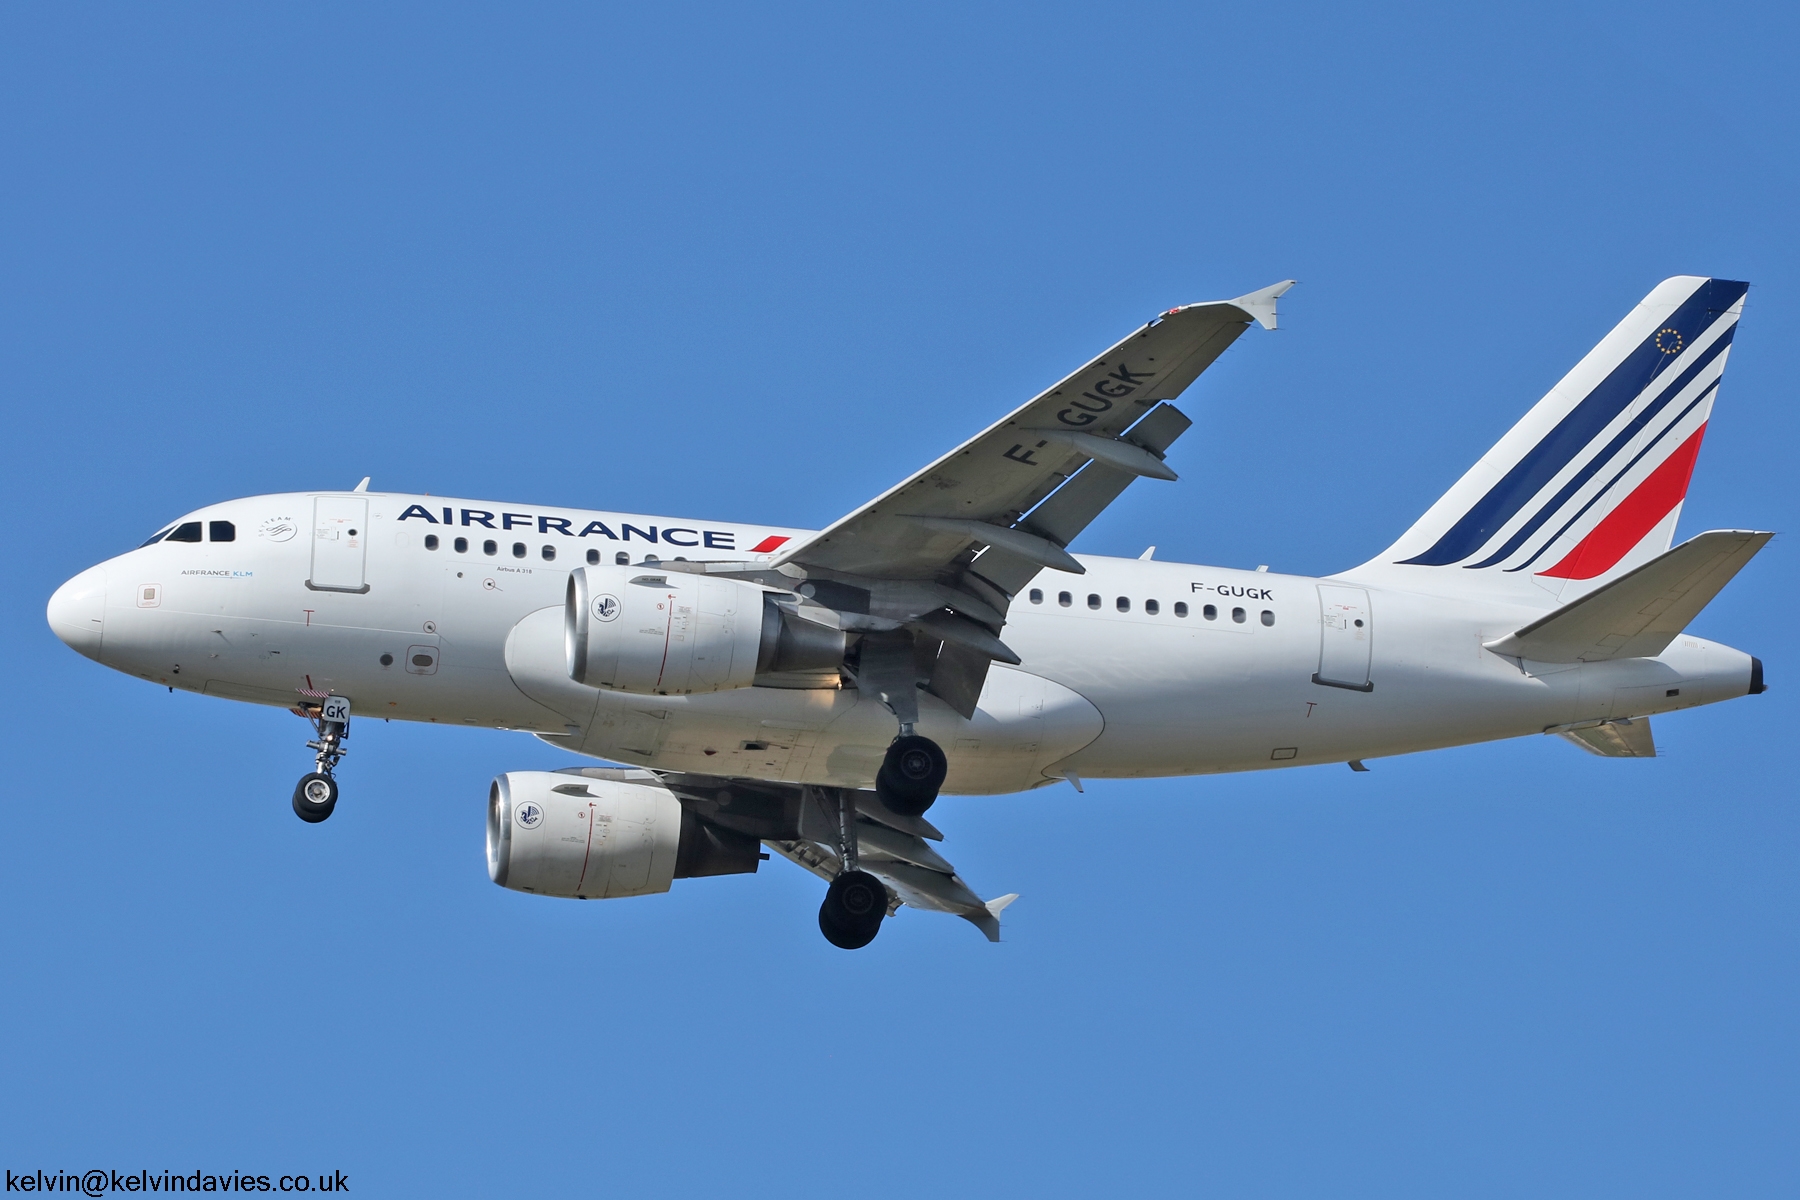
[189,531]
[1209,612]
[519,550]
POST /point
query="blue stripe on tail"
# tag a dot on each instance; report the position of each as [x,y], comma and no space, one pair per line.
[1580,427]
[1594,465]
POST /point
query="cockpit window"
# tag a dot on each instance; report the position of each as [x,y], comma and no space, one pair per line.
[221,531]
[156,537]
[187,531]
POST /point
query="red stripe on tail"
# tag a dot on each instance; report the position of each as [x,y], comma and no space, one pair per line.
[1636,515]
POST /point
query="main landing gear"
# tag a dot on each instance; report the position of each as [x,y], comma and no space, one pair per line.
[911,774]
[317,792]
[856,902]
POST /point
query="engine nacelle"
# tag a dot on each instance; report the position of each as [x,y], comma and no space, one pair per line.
[566,835]
[638,629]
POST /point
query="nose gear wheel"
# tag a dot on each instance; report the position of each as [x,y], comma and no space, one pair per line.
[316,795]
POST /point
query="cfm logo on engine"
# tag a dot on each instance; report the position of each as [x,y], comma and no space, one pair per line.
[606,608]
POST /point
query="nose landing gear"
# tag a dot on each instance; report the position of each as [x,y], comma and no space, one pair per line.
[315,796]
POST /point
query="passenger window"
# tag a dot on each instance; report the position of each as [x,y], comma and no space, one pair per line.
[1064,599]
[460,545]
[187,531]
[431,541]
[622,559]
[1210,612]
[156,537]
[490,547]
[1181,608]
[1122,604]
[593,557]
[221,531]
[1037,595]
[1238,615]
[549,553]
[1152,607]
[1093,600]
[518,549]
[1268,617]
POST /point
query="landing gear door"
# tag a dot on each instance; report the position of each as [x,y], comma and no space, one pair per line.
[340,540]
[1345,636]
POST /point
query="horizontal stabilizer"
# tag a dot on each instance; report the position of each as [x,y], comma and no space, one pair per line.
[1638,614]
[1626,738]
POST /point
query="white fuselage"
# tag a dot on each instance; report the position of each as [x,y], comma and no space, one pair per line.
[1123,684]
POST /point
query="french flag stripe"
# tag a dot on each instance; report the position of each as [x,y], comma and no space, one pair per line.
[1636,515]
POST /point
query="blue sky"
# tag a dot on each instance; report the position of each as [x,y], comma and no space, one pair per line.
[762,264]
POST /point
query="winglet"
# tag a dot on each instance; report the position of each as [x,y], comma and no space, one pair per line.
[1261,304]
[363,486]
[989,922]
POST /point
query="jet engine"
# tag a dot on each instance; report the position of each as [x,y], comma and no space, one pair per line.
[638,629]
[555,833]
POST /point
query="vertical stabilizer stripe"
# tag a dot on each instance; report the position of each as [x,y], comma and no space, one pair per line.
[1621,473]
[1594,465]
[1580,426]
[1636,515]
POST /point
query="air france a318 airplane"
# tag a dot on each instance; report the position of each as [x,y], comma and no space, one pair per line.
[811,692]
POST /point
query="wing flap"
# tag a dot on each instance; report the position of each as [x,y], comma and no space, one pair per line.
[1640,613]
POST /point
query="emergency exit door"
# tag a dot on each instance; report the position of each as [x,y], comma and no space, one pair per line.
[340,540]
[1345,638]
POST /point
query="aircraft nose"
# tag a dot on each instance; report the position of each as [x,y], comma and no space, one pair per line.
[77,612]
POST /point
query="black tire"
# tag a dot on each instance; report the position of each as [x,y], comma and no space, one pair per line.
[313,802]
[910,775]
[855,904]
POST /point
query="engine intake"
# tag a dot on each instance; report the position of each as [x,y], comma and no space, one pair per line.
[634,629]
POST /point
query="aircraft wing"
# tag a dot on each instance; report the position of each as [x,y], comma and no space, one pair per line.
[987,491]
[928,568]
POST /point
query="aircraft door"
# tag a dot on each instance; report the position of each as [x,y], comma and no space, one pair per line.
[1345,637]
[340,543]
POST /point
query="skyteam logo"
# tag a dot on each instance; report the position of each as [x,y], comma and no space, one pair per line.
[1605,458]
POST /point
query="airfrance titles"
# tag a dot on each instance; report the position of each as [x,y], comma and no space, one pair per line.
[669,535]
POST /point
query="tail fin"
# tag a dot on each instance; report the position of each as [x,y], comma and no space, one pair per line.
[1589,484]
